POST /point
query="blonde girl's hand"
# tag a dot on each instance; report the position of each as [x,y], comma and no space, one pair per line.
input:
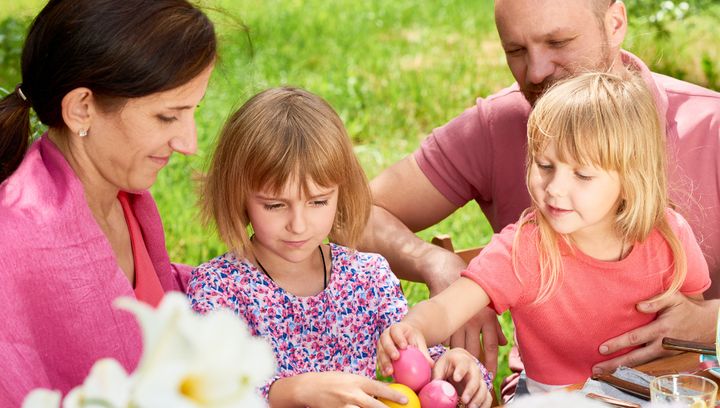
[398,337]
[460,368]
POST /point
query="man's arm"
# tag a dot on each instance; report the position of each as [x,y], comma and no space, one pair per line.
[405,202]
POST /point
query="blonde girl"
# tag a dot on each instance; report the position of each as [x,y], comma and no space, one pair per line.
[598,238]
[284,167]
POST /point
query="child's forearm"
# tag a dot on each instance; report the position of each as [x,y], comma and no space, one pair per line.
[439,317]
[288,392]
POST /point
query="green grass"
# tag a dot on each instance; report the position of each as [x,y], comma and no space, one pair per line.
[392,70]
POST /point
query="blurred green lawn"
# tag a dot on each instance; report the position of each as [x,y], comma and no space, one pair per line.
[392,70]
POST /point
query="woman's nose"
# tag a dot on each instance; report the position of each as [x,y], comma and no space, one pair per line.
[185,142]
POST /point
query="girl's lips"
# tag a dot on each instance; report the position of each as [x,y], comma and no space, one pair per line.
[295,244]
[557,211]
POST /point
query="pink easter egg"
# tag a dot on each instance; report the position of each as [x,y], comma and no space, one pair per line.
[438,394]
[411,369]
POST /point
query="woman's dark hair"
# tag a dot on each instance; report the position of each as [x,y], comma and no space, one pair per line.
[119,49]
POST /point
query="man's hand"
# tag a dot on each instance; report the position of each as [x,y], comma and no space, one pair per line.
[679,317]
[468,337]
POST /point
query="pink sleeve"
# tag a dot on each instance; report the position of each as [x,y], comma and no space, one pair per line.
[181,273]
[697,279]
[493,269]
[454,157]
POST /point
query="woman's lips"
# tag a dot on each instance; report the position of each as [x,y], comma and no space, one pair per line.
[161,160]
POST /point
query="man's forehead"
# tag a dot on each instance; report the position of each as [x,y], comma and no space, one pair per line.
[542,18]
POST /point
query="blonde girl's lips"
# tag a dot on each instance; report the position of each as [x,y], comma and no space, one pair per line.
[557,211]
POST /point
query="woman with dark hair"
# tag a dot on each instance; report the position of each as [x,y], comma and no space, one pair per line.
[117,83]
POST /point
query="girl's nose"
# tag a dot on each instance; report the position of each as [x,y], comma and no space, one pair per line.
[556,187]
[297,224]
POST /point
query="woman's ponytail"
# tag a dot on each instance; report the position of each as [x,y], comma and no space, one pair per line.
[14,131]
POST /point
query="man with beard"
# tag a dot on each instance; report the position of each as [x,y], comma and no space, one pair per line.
[480,155]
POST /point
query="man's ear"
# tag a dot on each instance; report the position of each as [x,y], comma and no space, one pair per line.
[616,24]
[78,109]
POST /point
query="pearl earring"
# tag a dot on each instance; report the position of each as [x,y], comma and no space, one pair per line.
[82,132]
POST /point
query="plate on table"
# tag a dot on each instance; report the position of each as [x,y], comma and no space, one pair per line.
[712,363]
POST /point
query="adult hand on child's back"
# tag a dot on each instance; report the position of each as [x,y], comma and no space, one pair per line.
[398,336]
[459,367]
[336,389]
[678,317]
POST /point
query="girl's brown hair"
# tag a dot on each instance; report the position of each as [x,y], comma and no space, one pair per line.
[280,135]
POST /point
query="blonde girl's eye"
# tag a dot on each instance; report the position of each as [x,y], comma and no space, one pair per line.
[543,166]
[582,176]
[320,203]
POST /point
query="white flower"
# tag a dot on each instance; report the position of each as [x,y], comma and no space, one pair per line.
[197,361]
[188,361]
[41,398]
[107,385]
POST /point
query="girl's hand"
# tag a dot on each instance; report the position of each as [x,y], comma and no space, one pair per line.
[338,389]
[398,336]
[459,367]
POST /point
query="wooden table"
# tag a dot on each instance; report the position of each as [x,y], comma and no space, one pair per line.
[681,363]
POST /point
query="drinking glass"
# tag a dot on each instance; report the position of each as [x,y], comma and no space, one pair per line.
[683,390]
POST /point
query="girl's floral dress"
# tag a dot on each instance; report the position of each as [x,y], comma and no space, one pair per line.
[335,330]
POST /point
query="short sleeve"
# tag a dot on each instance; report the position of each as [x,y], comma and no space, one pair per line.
[205,289]
[697,279]
[454,157]
[392,305]
[493,268]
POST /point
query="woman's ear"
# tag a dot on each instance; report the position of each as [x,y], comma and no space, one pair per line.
[77,110]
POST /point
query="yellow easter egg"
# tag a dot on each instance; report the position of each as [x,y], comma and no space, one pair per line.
[413,400]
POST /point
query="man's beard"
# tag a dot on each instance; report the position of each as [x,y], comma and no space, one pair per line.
[533,92]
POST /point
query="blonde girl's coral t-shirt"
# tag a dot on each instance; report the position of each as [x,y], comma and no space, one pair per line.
[594,302]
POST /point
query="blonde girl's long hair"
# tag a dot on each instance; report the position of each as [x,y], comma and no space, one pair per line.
[280,135]
[607,121]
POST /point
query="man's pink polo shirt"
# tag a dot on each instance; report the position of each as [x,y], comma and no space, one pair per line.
[480,155]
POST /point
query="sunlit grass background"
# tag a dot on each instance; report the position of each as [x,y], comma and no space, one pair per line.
[392,70]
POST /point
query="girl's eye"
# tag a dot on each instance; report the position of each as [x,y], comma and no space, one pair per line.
[167,119]
[543,166]
[320,203]
[273,206]
[583,177]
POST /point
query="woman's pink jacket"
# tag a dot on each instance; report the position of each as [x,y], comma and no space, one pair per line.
[59,277]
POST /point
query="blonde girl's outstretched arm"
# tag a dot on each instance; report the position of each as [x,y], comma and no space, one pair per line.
[432,321]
